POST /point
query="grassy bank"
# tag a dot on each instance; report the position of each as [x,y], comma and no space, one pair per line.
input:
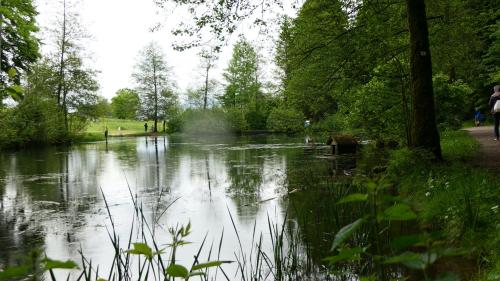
[455,198]
[116,128]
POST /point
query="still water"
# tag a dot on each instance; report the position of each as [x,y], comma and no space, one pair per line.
[53,198]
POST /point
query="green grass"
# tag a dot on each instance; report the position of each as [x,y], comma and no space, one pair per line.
[119,127]
[453,196]
[458,146]
[89,137]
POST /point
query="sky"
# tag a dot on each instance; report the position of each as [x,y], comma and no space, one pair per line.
[119,29]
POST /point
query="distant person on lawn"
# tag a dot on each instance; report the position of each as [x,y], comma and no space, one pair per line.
[146,127]
[496,113]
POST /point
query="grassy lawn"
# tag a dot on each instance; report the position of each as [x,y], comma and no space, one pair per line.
[116,127]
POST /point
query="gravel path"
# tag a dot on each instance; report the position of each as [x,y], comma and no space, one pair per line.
[489,153]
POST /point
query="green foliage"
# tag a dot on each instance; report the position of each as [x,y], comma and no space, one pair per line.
[154,85]
[55,264]
[168,104]
[34,121]
[398,212]
[256,118]
[19,45]
[175,270]
[102,108]
[385,210]
[458,145]
[243,88]
[237,121]
[310,54]
[345,233]
[71,82]
[354,197]
[9,127]
[142,249]
[80,89]
[286,120]
[455,197]
[454,37]
[377,98]
[125,104]
[195,97]
[15,272]
[491,59]
[451,101]
[345,255]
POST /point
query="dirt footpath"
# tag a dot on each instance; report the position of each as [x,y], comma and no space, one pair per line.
[489,153]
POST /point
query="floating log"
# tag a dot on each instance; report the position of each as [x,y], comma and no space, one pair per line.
[344,144]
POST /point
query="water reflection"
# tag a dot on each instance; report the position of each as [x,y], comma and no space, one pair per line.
[53,197]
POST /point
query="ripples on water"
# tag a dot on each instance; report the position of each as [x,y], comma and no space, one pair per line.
[51,198]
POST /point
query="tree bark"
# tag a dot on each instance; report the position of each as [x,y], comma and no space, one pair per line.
[424,132]
[206,86]
[156,96]
[61,59]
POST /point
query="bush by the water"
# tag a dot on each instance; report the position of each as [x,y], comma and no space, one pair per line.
[286,120]
[34,121]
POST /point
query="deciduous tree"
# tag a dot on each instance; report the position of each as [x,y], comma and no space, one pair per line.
[76,82]
[18,44]
[125,104]
[242,77]
[152,78]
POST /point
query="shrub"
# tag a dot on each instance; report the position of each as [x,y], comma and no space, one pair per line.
[256,119]
[236,120]
[330,123]
[34,120]
[285,120]
[377,98]
[450,101]
[9,136]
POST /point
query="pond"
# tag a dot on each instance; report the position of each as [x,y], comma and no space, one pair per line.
[238,188]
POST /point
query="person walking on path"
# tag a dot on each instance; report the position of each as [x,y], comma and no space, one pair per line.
[496,113]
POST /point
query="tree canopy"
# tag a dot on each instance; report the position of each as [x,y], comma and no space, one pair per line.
[18,44]
[125,104]
[152,78]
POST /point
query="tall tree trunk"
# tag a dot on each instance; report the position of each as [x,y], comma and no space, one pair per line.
[1,43]
[156,96]
[424,132]
[61,58]
[65,110]
[206,87]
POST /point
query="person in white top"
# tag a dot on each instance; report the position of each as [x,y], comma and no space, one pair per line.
[495,109]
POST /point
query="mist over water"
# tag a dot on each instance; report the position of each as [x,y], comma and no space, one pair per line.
[207,123]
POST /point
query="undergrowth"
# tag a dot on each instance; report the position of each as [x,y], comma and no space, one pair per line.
[455,197]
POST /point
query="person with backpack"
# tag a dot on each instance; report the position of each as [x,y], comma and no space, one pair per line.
[495,109]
